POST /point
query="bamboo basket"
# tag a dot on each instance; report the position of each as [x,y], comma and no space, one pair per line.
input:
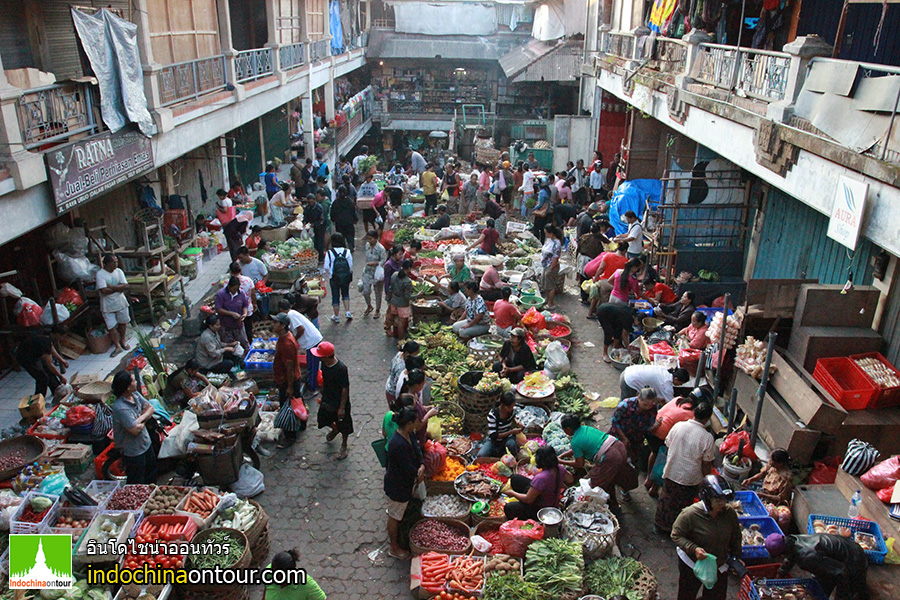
[483,354]
[419,550]
[259,548]
[221,591]
[476,404]
[594,545]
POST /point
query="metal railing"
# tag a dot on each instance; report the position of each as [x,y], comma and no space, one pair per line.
[291,57]
[250,65]
[620,43]
[669,56]
[319,50]
[191,79]
[55,113]
[759,73]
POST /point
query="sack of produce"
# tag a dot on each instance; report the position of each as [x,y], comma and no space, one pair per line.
[883,475]
[517,535]
[434,457]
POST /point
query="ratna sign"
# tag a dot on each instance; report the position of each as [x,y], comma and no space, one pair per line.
[87,169]
[847,211]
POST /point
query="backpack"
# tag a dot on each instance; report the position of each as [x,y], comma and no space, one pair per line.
[340,268]
[323,169]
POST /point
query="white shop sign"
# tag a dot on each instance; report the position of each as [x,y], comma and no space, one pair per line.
[847,211]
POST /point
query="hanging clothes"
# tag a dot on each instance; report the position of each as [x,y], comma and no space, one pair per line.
[203,195]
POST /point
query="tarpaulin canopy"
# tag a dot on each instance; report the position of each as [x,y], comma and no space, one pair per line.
[633,195]
[337,31]
[549,21]
[445,18]
[111,47]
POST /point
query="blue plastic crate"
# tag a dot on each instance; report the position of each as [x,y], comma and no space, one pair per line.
[259,365]
[710,312]
[752,505]
[767,526]
[752,592]
[876,557]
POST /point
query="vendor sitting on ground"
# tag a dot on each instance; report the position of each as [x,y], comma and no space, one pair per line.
[487,241]
[677,314]
[491,284]
[455,304]
[542,490]
[443,219]
[656,292]
[516,358]
[476,321]
[214,356]
[458,271]
[777,479]
[502,428]
[696,331]
[184,384]
[506,315]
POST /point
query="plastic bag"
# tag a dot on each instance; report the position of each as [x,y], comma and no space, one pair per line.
[387,238]
[69,296]
[79,415]
[892,557]
[251,482]
[556,361]
[299,408]
[824,471]
[660,348]
[859,458]
[733,441]
[434,428]
[434,457]
[533,319]
[8,290]
[885,494]
[62,314]
[883,475]
[707,571]
[72,267]
[55,484]
[29,315]
[585,493]
[517,535]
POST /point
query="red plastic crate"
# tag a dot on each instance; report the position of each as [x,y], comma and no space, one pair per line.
[177,217]
[884,397]
[156,521]
[846,382]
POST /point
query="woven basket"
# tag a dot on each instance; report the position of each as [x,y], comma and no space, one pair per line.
[594,545]
[483,354]
[419,550]
[476,404]
[233,592]
[261,523]
[259,548]
[220,591]
[647,584]
[486,525]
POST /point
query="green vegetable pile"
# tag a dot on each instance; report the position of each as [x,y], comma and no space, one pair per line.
[430,253]
[420,287]
[570,396]
[440,346]
[556,437]
[614,576]
[554,566]
[404,235]
[509,587]
[226,539]
[290,247]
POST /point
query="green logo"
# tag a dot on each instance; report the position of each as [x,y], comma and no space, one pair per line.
[40,561]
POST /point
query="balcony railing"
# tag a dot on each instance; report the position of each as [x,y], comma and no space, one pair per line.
[758,73]
[620,43]
[291,57]
[191,79]
[669,56]
[319,50]
[250,65]
[57,113]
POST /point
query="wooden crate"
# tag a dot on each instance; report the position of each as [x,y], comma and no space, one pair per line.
[72,346]
[805,396]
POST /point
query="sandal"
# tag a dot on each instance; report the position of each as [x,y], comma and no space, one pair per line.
[342,454]
[377,314]
[368,311]
[402,555]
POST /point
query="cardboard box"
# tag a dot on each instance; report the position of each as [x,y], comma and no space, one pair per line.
[74,457]
[32,407]
[28,78]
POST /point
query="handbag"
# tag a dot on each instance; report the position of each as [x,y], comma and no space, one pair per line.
[859,458]
[541,212]
[286,419]
[501,182]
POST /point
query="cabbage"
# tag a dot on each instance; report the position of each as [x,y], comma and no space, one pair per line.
[40,503]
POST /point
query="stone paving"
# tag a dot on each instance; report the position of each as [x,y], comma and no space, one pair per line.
[332,511]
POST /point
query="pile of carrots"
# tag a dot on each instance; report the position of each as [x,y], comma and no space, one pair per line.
[201,503]
[464,573]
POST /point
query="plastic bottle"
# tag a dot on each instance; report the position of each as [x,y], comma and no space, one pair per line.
[853,511]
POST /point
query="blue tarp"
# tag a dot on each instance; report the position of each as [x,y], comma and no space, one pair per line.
[337,33]
[632,195]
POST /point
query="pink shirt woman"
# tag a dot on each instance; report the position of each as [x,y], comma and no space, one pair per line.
[618,294]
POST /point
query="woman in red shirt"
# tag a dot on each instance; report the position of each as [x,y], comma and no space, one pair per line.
[487,241]
[675,411]
[286,373]
[656,292]
[696,331]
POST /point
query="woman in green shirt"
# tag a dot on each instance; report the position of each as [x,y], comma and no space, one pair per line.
[458,271]
[609,455]
[287,561]
[388,425]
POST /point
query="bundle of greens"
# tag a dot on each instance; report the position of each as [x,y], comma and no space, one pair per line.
[554,566]
[614,576]
[509,587]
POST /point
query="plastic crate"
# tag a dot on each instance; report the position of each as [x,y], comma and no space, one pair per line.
[846,382]
[767,526]
[259,365]
[22,527]
[884,397]
[99,486]
[749,590]
[876,557]
[711,312]
[86,513]
[752,505]
[190,527]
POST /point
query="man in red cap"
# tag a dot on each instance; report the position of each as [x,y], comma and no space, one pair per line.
[334,405]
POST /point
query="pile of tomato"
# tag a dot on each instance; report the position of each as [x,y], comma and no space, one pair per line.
[452,596]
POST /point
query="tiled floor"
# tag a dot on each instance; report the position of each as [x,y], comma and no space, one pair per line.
[18,384]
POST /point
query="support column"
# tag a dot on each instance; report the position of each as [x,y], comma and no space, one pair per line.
[802,51]
[27,168]
[273,10]
[309,124]
[151,70]
[329,95]
[604,38]
[226,47]
[693,41]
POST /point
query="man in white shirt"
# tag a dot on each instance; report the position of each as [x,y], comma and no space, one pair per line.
[252,267]
[578,191]
[691,451]
[656,377]
[417,162]
[634,236]
[308,337]
[363,154]
[111,284]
